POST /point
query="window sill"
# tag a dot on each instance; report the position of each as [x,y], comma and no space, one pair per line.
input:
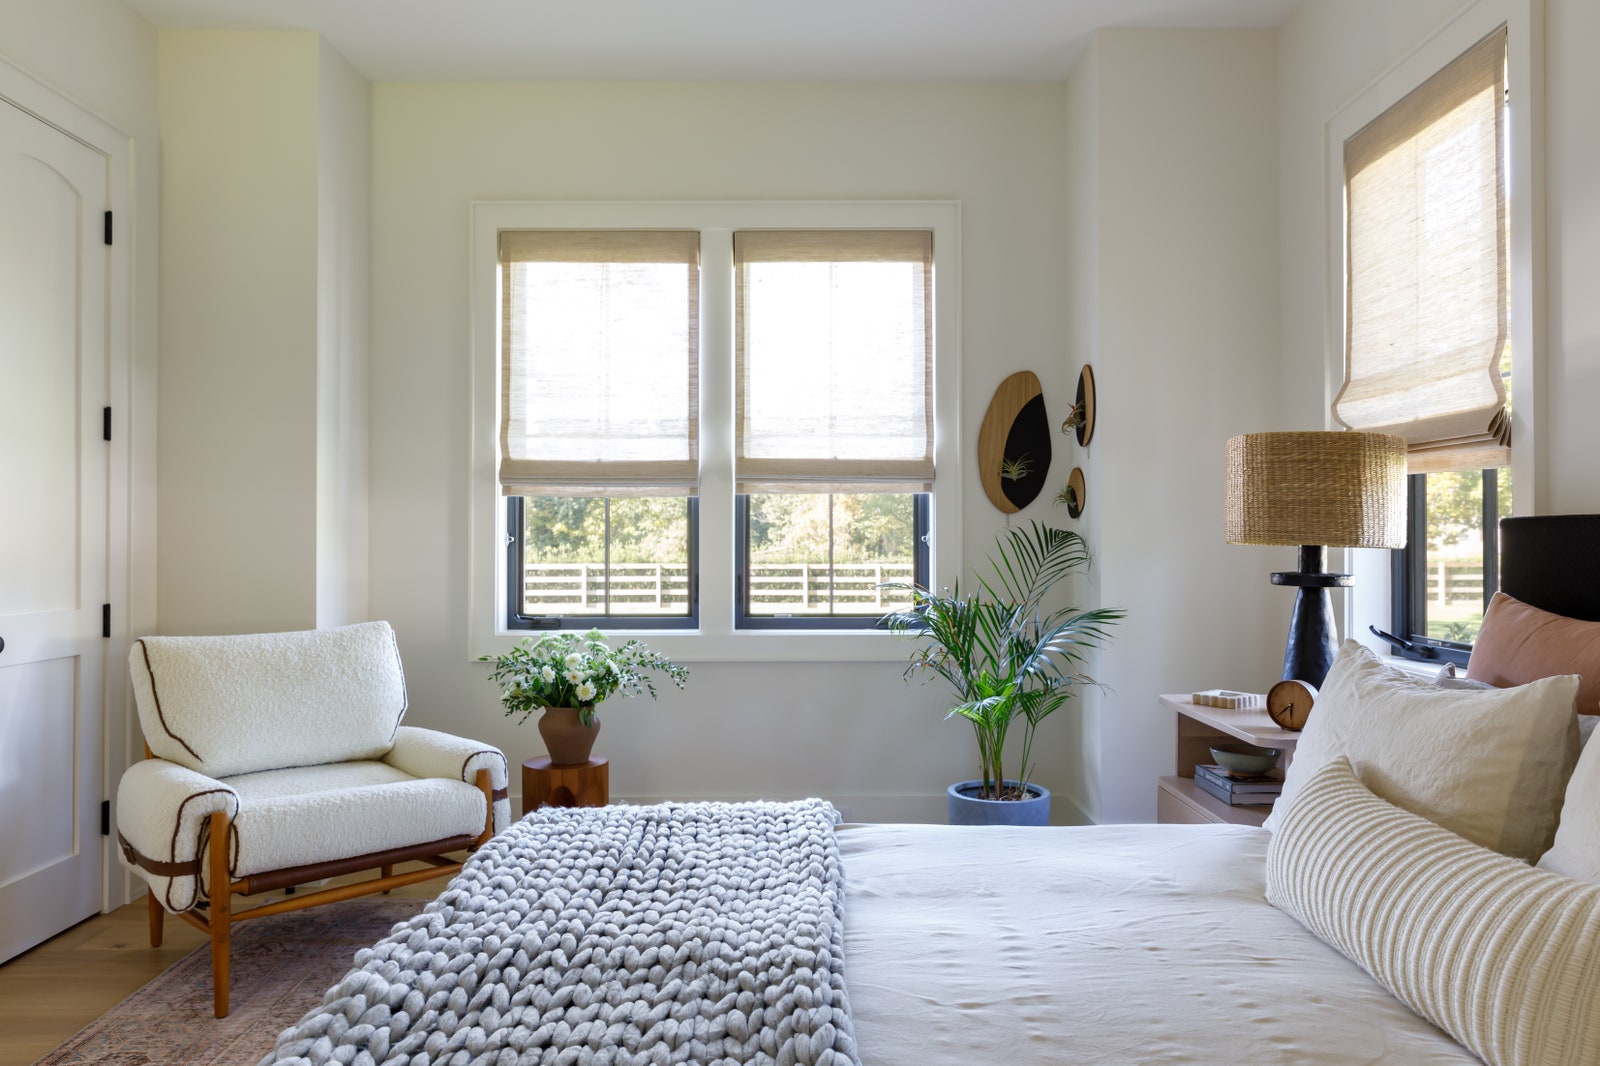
[1425,669]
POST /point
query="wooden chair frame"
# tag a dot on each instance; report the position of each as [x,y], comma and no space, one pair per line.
[220,915]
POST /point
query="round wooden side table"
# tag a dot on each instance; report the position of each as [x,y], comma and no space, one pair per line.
[547,784]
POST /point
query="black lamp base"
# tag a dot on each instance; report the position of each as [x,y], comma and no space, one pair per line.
[1313,636]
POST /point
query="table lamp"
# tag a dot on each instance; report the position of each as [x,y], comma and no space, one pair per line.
[1316,489]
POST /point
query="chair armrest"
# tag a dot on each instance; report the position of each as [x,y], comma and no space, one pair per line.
[163,822]
[429,753]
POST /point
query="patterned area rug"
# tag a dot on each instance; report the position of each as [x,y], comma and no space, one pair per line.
[282,965]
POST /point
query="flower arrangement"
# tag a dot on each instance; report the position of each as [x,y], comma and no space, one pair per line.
[576,670]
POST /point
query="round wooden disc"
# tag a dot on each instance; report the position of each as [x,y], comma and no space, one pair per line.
[1085,397]
[1079,490]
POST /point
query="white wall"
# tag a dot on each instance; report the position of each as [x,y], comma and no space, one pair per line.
[1175,301]
[344,179]
[1333,49]
[853,732]
[239,331]
[1081,299]
[264,360]
[1571,481]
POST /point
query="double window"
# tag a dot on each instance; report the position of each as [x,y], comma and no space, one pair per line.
[748,410]
[1427,337]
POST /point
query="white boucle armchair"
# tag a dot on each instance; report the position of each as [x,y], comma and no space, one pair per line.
[278,759]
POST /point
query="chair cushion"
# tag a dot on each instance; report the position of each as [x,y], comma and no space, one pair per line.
[309,814]
[235,705]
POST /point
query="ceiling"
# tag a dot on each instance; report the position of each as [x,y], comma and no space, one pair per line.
[710,40]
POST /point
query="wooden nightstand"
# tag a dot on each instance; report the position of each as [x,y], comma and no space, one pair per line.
[1178,798]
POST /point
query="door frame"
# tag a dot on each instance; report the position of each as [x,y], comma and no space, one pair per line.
[127,466]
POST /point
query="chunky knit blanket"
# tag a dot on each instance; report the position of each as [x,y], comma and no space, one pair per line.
[613,936]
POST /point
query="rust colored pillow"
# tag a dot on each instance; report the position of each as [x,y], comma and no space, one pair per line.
[1520,643]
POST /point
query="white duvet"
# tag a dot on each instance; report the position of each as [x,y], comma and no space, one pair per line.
[1117,944]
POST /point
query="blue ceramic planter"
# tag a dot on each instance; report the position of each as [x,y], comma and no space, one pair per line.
[966,809]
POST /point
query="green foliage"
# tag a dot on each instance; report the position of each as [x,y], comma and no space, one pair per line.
[866,528]
[572,529]
[575,670]
[1016,469]
[1002,652]
[1455,506]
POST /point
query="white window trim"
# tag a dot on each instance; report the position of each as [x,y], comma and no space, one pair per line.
[1368,602]
[715,640]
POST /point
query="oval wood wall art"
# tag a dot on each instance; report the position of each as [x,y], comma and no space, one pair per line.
[1084,401]
[1079,492]
[1014,440]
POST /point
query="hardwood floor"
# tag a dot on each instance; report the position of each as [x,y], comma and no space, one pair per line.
[51,991]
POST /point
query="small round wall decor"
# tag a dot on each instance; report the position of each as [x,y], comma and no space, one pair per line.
[1080,420]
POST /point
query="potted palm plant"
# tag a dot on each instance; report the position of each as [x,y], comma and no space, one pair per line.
[1009,659]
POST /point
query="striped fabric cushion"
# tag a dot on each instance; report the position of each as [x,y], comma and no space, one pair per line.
[1503,957]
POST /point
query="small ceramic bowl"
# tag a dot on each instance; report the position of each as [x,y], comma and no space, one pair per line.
[1240,758]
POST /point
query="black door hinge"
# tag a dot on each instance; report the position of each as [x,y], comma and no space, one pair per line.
[105,619]
[105,818]
[105,424]
[108,227]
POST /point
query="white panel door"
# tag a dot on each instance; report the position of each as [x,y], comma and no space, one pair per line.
[53,461]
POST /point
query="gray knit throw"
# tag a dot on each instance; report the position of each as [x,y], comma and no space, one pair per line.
[705,933]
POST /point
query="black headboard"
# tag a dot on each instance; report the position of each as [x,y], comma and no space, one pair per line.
[1553,562]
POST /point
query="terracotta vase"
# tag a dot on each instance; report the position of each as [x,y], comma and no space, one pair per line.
[566,738]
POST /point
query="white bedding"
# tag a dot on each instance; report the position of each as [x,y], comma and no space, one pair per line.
[1117,944]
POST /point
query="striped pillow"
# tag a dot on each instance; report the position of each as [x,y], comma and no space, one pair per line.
[1503,957]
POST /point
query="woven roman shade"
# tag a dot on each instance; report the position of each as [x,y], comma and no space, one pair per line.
[599,362]
[1343,490]
[834,360]
[1426,268]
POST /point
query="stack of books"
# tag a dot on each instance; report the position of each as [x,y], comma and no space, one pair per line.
[1239,790]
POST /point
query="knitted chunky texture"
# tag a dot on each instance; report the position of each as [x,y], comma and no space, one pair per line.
[1504,958]
[614,936]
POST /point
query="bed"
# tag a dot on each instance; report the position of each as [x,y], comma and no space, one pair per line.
[1390,912]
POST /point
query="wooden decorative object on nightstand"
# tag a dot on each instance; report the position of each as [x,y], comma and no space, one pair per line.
[545,784]
[1178,798]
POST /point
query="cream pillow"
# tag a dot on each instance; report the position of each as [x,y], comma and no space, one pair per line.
[1498,955]
[1488,764]
[1576,851]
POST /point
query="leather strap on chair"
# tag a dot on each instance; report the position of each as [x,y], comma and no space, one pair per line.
[159,867]
[499,794]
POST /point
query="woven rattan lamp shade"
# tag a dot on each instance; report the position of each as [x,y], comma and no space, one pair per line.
[1345,490]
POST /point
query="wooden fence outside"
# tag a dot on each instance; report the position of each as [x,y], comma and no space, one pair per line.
[1455,582]
[663,588]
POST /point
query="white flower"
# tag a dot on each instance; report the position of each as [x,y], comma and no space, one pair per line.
[585,691]
[577,677]
[547,673]
[572,660]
